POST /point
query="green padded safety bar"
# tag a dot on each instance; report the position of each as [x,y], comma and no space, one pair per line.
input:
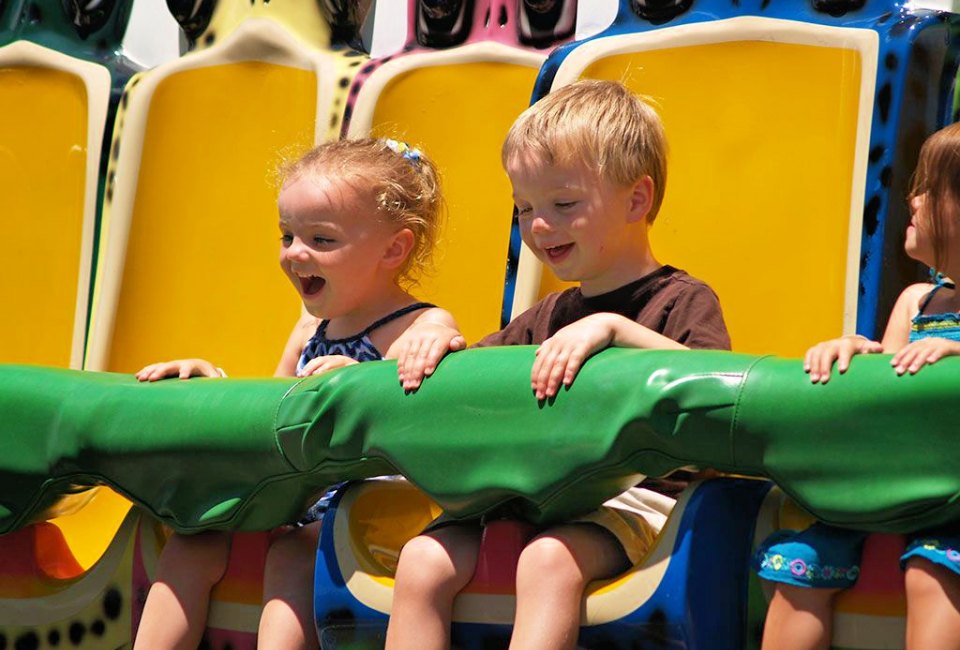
[870,449]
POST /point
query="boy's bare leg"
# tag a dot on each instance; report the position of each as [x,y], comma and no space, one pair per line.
[799,618]
[175,614]
[433,568]
[552,573]
[287,618]
[933,606]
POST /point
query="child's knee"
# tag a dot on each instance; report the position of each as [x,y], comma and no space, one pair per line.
[549,563]
[294,551]
[429,564]
[202,557]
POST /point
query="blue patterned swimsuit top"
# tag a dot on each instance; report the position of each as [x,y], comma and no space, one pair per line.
[944,326]
[358,347]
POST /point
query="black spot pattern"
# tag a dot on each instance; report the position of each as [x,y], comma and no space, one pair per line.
[890,61]
[112,604]
[883,102]
[876,153]
[344,82]
[35,16]
[885,175]
[77,631]
[870,214]
[209,39]
[53,638]
[27,641]
[97,628]
[903,26]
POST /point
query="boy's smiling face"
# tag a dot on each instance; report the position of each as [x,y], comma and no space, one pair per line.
[584,227]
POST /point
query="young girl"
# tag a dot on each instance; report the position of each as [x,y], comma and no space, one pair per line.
[358,222]
[923,327]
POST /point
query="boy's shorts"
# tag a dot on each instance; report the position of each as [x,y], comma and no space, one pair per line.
[634,518]
[825,557]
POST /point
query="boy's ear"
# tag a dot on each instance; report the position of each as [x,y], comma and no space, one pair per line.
[399,249]
[641,199]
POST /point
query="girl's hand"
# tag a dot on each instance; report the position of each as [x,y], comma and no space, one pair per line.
[559,357]
[915,355]
[183,368]
[420,349]
[819,359]
[325,364]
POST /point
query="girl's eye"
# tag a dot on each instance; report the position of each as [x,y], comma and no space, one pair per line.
[322,240]
[563,205]
[286,239]
[522,211]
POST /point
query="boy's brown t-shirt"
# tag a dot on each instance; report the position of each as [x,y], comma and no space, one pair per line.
[667,301]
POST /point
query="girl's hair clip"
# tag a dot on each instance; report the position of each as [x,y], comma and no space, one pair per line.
[409,153]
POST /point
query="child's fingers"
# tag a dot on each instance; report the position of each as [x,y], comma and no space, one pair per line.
[541,370]
[556,373]
[574,363]
[906,358]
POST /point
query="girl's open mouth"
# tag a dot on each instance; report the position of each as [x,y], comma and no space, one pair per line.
[311,285]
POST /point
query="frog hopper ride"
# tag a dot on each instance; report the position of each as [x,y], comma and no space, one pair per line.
[246,455]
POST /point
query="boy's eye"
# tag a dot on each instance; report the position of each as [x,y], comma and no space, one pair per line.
[286,239]
[522,210]
[563,205]
[318,240]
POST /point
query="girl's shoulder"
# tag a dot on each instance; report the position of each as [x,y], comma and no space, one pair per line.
[908,304]
[305,328]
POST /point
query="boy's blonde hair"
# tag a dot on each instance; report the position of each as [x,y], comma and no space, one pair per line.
[404,182]
[600,123]
[938,178]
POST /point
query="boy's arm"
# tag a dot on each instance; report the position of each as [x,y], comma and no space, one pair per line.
[692,320]
[420,348]
[559,358]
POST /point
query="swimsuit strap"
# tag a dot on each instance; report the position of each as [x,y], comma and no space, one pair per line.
[403,311]
[939,283]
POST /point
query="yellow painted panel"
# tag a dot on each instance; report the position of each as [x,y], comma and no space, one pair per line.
[460,114]
[90,530]
[43,149]
[758,198]
[201,277]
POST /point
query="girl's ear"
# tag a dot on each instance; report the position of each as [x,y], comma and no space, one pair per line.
[398,249]
[641,200]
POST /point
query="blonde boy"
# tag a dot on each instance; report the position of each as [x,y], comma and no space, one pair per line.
[588,169]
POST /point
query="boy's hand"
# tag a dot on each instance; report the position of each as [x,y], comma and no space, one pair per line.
[420,349]
[915,355]
[325,363]
[559,357]
[819,359]
[183,368]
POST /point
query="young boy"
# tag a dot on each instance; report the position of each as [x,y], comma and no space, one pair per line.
[588,168]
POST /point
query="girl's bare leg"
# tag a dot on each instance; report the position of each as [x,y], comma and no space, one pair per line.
[552,573]
[933,606]
[799,618]
[175,614]
[287,618]
[433,568]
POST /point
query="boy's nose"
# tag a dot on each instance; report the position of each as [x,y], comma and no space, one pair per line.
[539,225]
